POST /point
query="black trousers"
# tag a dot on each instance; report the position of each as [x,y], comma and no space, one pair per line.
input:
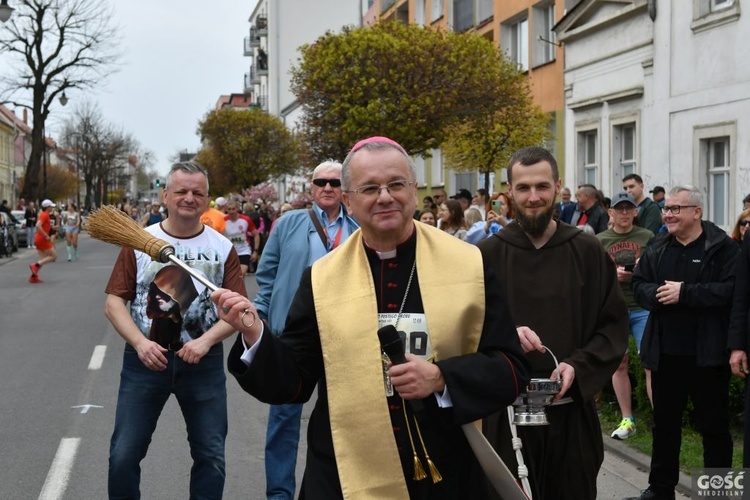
[746,447]
[708,387]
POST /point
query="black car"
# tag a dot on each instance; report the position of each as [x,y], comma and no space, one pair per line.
[8,236]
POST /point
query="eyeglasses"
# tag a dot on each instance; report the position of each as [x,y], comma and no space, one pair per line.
[624,210]
[675,209]
[321,182]
[393,188]
[744,223]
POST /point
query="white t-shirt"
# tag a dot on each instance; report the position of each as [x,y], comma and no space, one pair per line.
[236,232]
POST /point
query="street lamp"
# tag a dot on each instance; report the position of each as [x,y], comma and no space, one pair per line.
[5,11]
[63,99]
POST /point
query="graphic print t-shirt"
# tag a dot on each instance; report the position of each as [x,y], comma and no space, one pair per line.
[626,249]
[137,278]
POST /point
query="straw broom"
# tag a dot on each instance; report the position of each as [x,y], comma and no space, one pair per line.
[112,225]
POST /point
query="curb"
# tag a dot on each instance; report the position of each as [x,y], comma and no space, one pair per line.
[643,462]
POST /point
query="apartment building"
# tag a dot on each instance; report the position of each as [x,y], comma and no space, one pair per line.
[523,29]
[659,88]
[277,29]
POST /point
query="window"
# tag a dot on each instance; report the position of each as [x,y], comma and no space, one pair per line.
[545,42]
[720,4]
[715,171]
[419,163]
[587,157]
[436,169]
[463,14]
[624,149]
[718,180]
[516,41]
[419,12]
[437,9]
[709,14]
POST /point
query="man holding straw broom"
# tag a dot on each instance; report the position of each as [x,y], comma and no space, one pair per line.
[173,337]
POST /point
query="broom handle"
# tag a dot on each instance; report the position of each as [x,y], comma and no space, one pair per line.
[193,272]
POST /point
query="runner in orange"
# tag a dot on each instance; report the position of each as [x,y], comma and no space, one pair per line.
[44,241]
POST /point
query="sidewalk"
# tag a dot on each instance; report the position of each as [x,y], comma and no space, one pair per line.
[642,462]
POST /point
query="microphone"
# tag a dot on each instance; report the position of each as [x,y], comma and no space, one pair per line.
[391,344]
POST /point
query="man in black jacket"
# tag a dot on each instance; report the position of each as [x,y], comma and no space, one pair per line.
[739,335]
[686,279]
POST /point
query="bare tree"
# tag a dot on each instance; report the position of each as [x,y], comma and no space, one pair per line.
[55,45]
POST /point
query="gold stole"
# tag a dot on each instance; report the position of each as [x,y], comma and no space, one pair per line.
[451,282]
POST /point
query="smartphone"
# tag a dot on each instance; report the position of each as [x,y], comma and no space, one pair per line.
[495,205]
[629,267]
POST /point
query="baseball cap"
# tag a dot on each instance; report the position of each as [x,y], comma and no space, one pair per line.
[657,189]
[47,203]
[623,197]
[221,201]
[462,193]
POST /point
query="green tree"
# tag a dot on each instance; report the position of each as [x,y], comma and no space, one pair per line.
[406,82]
[486,142]
[245,147]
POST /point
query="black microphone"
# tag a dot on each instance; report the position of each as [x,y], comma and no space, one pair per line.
[391,344]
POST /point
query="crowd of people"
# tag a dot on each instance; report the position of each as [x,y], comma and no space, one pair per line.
[362,262]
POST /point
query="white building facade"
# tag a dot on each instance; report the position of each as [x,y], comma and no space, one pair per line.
[659,88]
[278,28]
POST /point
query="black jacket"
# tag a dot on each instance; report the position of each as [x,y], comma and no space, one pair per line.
[739,320]
[712,296]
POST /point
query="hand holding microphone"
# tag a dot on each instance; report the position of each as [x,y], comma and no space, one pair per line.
[413,377]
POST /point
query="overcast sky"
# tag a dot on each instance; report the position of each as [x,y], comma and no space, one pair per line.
[179,56]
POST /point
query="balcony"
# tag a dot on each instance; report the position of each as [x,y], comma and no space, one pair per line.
[261,25]
[249,87]
[261,102]
[251,42]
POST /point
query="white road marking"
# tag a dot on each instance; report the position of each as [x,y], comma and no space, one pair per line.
[59,474]
[98,357]
[86,408]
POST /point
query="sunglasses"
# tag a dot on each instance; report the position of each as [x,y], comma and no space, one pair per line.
[744,223]
[321,182]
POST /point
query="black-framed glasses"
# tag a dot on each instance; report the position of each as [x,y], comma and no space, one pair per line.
[744,223]
[321,182]
[675,209]
[393,188]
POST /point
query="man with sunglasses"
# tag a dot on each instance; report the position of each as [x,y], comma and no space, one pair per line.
[299,238]
[685,278]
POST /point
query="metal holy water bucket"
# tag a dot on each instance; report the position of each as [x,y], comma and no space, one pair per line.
[529,407]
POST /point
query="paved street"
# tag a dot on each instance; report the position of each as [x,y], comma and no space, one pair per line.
[55,446]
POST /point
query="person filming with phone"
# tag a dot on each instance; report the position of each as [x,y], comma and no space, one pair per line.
[625,242]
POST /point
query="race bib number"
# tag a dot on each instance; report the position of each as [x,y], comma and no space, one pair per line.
[412,329]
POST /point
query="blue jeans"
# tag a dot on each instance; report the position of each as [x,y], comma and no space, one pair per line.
[282,438]
[202,394]
[638,319]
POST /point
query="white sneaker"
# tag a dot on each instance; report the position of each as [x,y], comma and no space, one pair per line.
[625,430]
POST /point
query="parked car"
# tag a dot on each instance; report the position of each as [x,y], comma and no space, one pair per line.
[20,216]
[8,236]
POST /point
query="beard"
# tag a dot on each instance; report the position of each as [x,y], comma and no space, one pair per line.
[534,226]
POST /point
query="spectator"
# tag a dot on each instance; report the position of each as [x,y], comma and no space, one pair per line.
[439,196]
[359,433]
[657,195]
[649,215]
[479,201]
[685,278]
[738,233]
[464,198]
[499,215]
[427,217]
[625,243]
[30,215]
[451,216]
[4,208]
[214,218]
[746,202]
[565,200]
[576,310]
[174,341]
[589,209]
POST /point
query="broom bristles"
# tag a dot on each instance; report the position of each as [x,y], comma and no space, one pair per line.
[112,225]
